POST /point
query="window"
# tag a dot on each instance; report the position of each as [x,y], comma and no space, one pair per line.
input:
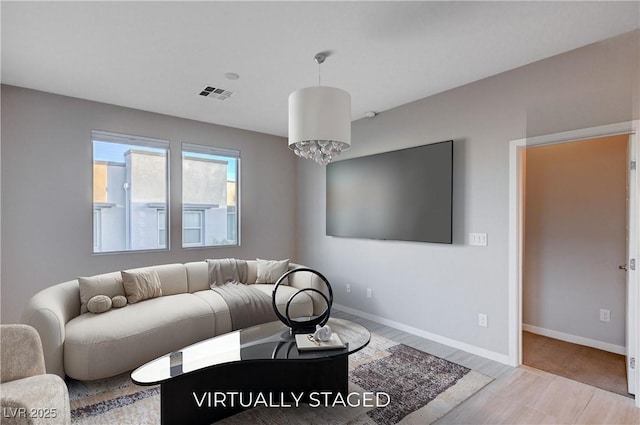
[130,176]
[210,182]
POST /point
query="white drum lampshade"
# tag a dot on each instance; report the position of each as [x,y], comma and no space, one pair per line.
[319,123]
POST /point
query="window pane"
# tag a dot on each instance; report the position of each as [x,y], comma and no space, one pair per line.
[129,189]
[232,223]
[192,236]
[209,196]
[162,229]
[192,228]
[192,219]
[162,220]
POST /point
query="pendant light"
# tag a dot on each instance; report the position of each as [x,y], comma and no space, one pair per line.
[319,121]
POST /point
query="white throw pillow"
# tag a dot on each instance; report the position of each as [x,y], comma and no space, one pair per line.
[269,271]
[118,301]
[109,284]
[99,304]
[141,284]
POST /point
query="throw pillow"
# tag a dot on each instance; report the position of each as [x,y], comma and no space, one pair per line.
[141,284]
[108,284]
[118,301]
[99,304]
[269,271]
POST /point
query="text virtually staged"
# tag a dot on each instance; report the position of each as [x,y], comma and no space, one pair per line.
[313,399]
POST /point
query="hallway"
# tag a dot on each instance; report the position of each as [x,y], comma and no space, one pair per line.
[588,365]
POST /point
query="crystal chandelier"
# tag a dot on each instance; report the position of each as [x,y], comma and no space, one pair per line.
[319,121]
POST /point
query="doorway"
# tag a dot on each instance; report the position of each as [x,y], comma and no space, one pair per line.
[516,237]
[574,241]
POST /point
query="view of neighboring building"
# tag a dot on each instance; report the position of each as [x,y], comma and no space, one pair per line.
[130,202]
[208,215]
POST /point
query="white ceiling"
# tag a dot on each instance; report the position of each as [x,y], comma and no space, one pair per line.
[157,56]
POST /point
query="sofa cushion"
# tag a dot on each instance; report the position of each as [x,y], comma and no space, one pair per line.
[141,284]
[252,272]
[109,284]
[120,340]
[301,306]
[197,276]
[269,271]
[219,308]
[173,278]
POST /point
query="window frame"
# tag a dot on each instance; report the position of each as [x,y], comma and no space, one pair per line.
[97,229]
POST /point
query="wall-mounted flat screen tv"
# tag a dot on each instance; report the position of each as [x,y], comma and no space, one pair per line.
[400,195]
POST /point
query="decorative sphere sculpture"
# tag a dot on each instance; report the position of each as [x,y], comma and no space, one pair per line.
[303,325]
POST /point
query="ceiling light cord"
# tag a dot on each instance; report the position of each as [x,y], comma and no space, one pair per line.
[319,58]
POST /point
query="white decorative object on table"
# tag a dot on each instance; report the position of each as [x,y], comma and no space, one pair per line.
[322,333]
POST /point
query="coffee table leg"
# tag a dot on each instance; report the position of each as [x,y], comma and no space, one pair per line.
[190,398]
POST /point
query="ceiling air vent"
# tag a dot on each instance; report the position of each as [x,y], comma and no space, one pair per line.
[216,93]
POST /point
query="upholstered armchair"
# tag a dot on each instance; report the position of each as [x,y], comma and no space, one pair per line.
[28,394]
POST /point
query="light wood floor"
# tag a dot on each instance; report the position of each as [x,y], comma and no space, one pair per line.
[518,395]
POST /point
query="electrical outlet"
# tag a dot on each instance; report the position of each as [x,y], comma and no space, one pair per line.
[605,315]
[483,320]
[348,288]
[369,293]
[478,239]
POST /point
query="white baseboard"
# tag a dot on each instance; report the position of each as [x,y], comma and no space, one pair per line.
[605,346]
[482,352]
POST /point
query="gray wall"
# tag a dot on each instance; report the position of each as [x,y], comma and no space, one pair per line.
[47,199]
[441,288]
[575,238]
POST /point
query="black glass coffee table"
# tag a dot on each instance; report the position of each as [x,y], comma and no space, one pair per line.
[220,376]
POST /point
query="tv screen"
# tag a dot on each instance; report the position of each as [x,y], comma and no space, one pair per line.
[400,195]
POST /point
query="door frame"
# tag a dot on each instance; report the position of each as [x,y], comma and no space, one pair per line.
[516,203]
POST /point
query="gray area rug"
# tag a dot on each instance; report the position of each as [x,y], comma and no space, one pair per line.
[411,377]
[421,389]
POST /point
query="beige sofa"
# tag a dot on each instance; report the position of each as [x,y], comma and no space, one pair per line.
[94,346]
